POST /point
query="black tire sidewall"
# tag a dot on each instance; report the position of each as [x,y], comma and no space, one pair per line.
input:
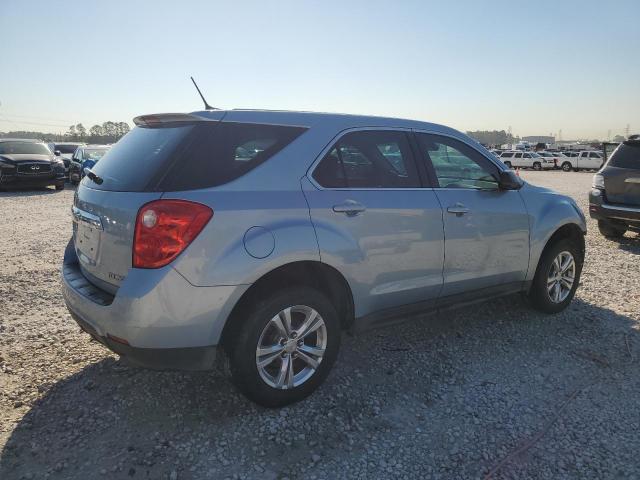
[242,350]
[538,294]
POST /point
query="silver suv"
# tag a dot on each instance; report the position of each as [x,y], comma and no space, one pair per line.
[262,235]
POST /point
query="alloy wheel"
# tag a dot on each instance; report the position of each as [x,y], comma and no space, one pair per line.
[561,277]
[291,347]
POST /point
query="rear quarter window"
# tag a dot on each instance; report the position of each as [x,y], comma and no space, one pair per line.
[626,156]
[189,156]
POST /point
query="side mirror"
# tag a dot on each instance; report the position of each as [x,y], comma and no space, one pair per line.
[57,153]
[509,181]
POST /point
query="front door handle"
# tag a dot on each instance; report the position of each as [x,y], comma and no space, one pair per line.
[459,209]
[350,208]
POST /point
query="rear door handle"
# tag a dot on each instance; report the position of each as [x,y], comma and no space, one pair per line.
[459,209]
[349,208]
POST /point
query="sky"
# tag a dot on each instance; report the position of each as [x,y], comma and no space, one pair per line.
[537,66]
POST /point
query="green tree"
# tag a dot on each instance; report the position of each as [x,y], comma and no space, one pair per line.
[82,132]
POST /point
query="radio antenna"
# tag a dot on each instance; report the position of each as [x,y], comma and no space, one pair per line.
[206,105]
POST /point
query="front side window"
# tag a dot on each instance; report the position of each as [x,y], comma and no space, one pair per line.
[457,165]
[518,155]
[594,155]
[369,159]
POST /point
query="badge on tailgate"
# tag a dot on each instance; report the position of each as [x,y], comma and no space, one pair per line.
[88,229]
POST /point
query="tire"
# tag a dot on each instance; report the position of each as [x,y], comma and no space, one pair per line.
[259,328]
[59,186]
[537,166]
[540,295]
[508,164]
[566,167]
[610,229]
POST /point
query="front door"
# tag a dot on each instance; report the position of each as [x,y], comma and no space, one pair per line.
[375,222]
[486,229]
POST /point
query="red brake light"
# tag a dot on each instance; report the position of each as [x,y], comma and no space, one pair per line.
[164,228]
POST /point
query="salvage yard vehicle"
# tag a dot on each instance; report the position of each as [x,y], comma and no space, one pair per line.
[29,164]
[615,198]
[66,150]
[519,159]
[584,160]
[85,156]
[260,236]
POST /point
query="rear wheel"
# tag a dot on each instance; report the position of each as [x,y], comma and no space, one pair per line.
[612,229]
[285,347]
[557,277]
[566,167]
[537,166]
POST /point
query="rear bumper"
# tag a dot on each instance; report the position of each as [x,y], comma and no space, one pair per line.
[600,210]
[156,319]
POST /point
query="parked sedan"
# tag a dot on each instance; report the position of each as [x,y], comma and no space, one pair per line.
[260,235]
[85,156]
[29,163]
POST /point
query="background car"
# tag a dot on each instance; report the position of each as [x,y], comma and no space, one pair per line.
[615,198]
[85,156]
[520,159]
[29,163]
[66,149]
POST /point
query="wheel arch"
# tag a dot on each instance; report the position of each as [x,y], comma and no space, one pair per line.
[312,273]
[571,231]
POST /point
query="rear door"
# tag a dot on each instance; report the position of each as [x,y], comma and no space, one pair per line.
[486,229]
[374,220]
[622,175]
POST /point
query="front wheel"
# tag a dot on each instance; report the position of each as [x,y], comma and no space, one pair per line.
[566,167]
[285,347]
[557,277]
[537,166]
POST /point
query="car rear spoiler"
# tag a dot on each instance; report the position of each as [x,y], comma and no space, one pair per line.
[162,118]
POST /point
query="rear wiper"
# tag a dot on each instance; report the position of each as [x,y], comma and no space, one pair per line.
[93,176]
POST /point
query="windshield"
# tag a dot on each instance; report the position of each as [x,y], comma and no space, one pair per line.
[23,148]
[94,154]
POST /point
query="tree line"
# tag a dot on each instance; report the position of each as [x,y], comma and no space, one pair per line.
[493,137]
[108,132]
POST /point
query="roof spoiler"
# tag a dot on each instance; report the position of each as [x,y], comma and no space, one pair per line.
[162,118]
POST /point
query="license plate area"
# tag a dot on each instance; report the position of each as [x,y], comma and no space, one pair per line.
[87,229]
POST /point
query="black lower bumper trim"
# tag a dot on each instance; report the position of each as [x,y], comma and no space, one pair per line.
[191,359]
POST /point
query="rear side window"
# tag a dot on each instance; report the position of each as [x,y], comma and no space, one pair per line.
[506,155]
[224,152]
[369,159]
[626,156]
[189,156]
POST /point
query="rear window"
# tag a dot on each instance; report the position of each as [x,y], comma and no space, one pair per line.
[626,156]
[62,148]
[189,156]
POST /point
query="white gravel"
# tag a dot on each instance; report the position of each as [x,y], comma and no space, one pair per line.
[493,388]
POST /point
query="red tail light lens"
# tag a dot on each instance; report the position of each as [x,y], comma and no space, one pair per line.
[164,228]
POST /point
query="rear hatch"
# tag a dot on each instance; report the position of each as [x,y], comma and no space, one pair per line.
[164,153]
[622,175]
[129,175]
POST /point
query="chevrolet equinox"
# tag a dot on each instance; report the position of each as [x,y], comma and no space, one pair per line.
[261,235]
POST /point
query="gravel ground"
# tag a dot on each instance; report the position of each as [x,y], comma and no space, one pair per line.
[494,388]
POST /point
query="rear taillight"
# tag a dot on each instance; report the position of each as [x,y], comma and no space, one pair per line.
[164,228]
